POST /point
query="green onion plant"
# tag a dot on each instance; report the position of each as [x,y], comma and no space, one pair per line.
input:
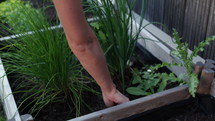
[117,37]
[44,65]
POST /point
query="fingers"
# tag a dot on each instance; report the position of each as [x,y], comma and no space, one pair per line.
[116,98]
[120,98]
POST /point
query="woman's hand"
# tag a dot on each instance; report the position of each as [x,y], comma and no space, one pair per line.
[114,97]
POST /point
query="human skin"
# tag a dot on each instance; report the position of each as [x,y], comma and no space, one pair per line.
[84,44]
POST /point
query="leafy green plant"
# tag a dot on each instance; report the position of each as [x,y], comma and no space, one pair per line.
[147,82]
[10,13]
[116,31]
[2,118]
[187,59]
[150,82]
[45,66]
[98,29]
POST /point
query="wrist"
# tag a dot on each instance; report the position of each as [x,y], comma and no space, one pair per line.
[109,90]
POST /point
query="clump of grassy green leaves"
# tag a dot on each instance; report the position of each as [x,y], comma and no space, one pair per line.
[43,63]
[149,82]
[115,29]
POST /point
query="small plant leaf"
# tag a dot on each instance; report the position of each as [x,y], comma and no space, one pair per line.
[136,91]
[96,25]
[162,86]
[136,77]
[101,35]
[193,84]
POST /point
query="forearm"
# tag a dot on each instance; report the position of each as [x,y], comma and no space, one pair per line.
[93,60]
[83,41]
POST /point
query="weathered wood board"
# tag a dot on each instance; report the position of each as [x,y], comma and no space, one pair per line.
[138,106]
[6,95]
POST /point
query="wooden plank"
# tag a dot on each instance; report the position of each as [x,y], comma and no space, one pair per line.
[138,106]
[210,61]
[161,45]
[160,51]
[6,95]
[167,40]
[206,80]
[155,46]
[198,68]
[209,66]
[212,92]
[207,77]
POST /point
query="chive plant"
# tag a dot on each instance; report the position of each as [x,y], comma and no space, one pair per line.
[119,38]
[44,65]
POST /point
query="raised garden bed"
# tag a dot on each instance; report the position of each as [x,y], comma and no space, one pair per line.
[154,101]
[88,99]
[143,104]
[147,103]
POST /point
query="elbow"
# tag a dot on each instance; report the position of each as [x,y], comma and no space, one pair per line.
[81,44]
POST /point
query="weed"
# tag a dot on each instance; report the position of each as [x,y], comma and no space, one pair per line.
[147,82]
[187,59]
[150,81]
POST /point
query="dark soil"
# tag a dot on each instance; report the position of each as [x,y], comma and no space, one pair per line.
[61,111]
[2,116]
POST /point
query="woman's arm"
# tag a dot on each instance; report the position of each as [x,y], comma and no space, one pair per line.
[84,44]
